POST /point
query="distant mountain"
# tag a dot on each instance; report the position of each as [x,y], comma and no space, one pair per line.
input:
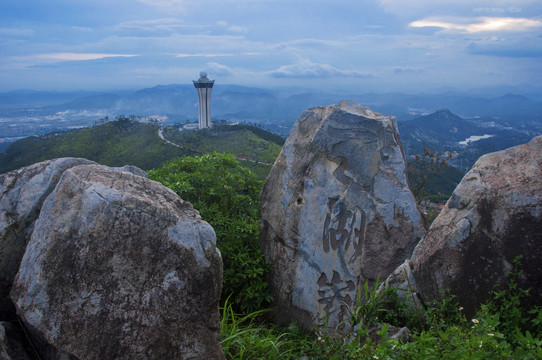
[440,129]
[31,98]
[263,105]
[468,139]
[26,113]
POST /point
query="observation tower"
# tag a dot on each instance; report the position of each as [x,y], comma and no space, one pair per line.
[204,86]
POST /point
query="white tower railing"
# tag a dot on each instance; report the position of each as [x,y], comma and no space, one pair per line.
[204,86]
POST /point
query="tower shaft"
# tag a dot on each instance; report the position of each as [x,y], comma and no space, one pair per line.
[204,86]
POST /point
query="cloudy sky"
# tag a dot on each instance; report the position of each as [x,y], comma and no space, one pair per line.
[361,45]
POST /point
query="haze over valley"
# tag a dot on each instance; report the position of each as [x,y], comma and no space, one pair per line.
[468,124]
[271,60]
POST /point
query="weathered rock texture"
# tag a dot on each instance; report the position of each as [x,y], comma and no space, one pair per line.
[119,266]
[22,194]
[336,211]
[494,215]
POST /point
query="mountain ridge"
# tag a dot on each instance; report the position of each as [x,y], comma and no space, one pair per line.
[126,141]
[444,131]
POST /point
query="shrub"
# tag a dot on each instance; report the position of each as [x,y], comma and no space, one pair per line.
[227,196]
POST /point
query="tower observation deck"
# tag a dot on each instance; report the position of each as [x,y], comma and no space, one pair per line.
[204,86]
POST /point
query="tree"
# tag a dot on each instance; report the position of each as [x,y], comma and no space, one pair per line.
[422,169]
[227,196]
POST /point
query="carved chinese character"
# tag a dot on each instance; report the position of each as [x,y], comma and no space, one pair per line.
[343,227]
[335,294]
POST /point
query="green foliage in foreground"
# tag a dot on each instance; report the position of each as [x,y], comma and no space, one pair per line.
[115,143]
[502,329]
[250,337]
[227,196]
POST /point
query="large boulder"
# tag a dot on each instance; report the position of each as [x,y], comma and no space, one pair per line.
[22,194]
[493,216]
[336,212]
[118,266]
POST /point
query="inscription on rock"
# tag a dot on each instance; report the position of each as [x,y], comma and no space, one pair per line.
[344,229]
[335,293]
[322,247]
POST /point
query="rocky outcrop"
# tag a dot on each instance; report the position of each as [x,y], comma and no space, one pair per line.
[118,266]
[22,194]
[493,216]
[336,212]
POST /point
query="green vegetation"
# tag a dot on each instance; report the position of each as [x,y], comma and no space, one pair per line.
[432,181]
[127,141]
[227,196]
[250,337]
[501,329]
[116,143]
[439,187]
[256,148]
[422,172]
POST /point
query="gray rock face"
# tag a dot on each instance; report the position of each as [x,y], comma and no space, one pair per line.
[494,215]
[118,266]
[22,194]
[336,211]
[132,169]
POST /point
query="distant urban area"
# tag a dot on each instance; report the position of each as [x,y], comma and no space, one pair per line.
[465,124]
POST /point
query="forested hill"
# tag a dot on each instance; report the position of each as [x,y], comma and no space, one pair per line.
[125,141]
[115,143]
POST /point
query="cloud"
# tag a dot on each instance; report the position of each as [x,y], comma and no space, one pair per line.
[518,50]
[415,6]
[305,68]
[216,69]
[308,43]
[177,44]
[55,60]
[234,28]
[407,70]
[481,24]
[16,32]
[216,54]
[82,28]
[154,25]
[166,5]
[511,9]
[202,55]
[78,56]
[488,10]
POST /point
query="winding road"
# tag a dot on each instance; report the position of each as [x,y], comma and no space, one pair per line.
[161,135]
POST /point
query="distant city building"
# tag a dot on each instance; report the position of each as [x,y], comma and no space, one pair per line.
[190,127]
[204,86]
